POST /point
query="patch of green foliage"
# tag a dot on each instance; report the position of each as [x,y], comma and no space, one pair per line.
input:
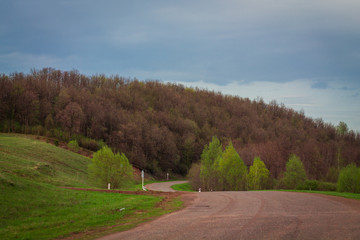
[73,146]
[258,175]
[209,158]
[226,170]
[232,170]
[107,167]
[349,179]
[32,206]
[186,187]
[295,174]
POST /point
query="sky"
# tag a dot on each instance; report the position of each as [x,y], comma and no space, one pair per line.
[304,54]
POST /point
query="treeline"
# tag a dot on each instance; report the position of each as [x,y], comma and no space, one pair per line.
[220,170]
[164,127]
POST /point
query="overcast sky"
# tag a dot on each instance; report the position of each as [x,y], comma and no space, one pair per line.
[303,53]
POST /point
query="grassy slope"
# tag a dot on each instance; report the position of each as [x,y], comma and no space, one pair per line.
[183,187]
[33,207]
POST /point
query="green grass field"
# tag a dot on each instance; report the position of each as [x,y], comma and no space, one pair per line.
[33,206]
[186,187]
[337,194]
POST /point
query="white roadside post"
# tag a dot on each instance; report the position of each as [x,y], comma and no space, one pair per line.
[108,186]
[142,180]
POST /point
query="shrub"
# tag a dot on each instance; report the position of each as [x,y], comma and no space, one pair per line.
[326,186]
[107,167]
[101,144]
[73,146]
[349,179]
[309,185]
[59,134]
[56,143]
[89,143]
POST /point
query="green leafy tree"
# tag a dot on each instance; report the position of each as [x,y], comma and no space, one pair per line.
[349,179]
[107,167]
[209,156]
[295,174]
[342,129]
[232,170]
[73,146]
[258,175]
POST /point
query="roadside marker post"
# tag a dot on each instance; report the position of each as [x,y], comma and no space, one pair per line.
[108,186]
[142,180]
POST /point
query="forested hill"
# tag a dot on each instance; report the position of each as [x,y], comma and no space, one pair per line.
[164,127]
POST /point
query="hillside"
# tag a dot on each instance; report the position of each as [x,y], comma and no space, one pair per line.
[26,159]
[33,206]
[164,127]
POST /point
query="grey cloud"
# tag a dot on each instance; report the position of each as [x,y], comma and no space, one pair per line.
[320,85]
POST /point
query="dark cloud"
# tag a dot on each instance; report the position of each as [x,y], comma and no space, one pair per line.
[218,42]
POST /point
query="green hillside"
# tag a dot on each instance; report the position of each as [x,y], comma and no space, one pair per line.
[25,159]
[33,206]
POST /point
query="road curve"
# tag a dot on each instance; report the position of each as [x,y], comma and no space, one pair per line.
[255,215]
[163,186]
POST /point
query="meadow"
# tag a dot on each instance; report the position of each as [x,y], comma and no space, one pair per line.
[34,206]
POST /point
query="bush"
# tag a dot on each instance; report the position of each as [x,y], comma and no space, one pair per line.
[309,185]
[59,134]
[107,167]
[56,143]
[349,179]
[326,186]
[101,144]
[73,146]
[89,143]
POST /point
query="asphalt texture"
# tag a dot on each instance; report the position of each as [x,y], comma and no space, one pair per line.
[254,215]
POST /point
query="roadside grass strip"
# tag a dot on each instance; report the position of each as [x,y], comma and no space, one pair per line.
[186,187]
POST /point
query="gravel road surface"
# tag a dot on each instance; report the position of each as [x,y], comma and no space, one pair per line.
[164,186]
[255,215]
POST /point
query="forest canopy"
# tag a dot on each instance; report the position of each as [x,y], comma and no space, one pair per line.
[164,127]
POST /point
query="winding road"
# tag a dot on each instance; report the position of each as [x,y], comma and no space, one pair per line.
[253,215]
